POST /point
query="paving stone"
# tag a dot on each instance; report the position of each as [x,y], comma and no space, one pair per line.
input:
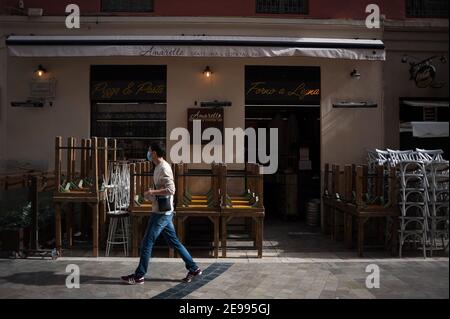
[322,269]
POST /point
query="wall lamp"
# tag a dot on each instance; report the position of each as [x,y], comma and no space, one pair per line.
[355,74]
[40,72]
[207,72]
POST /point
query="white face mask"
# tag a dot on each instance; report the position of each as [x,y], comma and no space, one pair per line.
[149,155]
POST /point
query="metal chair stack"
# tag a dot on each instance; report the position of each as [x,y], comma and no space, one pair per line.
[438,210]
[424,195]
[118,200]
[414,201]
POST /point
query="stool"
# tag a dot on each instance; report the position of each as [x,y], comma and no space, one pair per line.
[118,232]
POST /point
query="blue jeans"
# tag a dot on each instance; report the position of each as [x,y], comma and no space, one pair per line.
[157,224]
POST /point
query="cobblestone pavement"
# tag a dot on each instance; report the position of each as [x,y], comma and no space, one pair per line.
[232,278]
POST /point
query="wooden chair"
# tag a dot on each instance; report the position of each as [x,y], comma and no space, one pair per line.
[249,205]
[70,193]
[190,205]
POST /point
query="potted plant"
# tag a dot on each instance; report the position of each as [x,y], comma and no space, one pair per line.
[14,226]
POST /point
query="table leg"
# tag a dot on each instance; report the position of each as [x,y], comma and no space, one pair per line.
[95,230]
[332,223]
[380,229]
[216,222]
[394,236]
[361,222]
[348,227]
[102,220]
[69,224]
[135,231]
[259,236]
[224,236]
[336,234]
[254,231]
[58,228]
[180,229]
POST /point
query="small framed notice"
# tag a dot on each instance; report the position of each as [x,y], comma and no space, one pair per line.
[43,89]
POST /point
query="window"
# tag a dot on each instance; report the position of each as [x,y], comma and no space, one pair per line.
[128,103]
[427,8]
[127,5]
[282,6]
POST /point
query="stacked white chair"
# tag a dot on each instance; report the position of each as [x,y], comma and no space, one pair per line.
[438,175]
[424,195]
[118,200]
[413,204]
[430,155]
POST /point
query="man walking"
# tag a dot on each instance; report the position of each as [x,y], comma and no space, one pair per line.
[161,219]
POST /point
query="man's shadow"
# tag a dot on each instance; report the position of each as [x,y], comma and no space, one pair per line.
[48,278]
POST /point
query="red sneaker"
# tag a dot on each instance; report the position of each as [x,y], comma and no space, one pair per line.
[133,280]
[192,274]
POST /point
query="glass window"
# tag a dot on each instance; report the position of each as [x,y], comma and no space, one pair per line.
[427,8]
[282,6]
[127,5]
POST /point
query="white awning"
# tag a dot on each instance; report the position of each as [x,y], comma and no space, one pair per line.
[194,46]
[426,103]
[426,129]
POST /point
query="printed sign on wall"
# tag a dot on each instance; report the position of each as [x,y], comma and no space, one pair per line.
[128,90]
[129,83]
[282,85]
[209,117]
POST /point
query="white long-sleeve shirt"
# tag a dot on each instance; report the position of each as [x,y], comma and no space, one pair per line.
[163,179]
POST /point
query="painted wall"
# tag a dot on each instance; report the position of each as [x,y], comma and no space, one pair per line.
[397,81]
[345,132]
[354,129]
[318,9]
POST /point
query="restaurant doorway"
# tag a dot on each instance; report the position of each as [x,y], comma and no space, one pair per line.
[288,98]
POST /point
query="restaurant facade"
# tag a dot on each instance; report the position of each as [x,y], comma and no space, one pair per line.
[333,87]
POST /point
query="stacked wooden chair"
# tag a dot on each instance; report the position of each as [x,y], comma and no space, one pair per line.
[346,198]
[141,179]
[248,205]
[190,205]
[82,182]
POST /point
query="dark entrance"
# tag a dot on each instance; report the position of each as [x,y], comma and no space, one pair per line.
[288,98]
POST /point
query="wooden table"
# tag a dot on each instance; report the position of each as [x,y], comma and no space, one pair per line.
[136,215]
[257,215]
[362,215]
[59,201]
[214,216]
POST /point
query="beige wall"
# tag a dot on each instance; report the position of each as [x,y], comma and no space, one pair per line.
[30,132]
[422,43]
[345,132]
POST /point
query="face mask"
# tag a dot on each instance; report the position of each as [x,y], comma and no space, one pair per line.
[149,156]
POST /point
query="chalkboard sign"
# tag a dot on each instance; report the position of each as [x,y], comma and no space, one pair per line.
[127,5]
[282,85]
[209,117]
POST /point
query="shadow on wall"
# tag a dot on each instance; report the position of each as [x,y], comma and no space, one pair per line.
[23,165]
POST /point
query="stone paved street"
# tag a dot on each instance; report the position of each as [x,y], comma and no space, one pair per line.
[299,262]
[228,278]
